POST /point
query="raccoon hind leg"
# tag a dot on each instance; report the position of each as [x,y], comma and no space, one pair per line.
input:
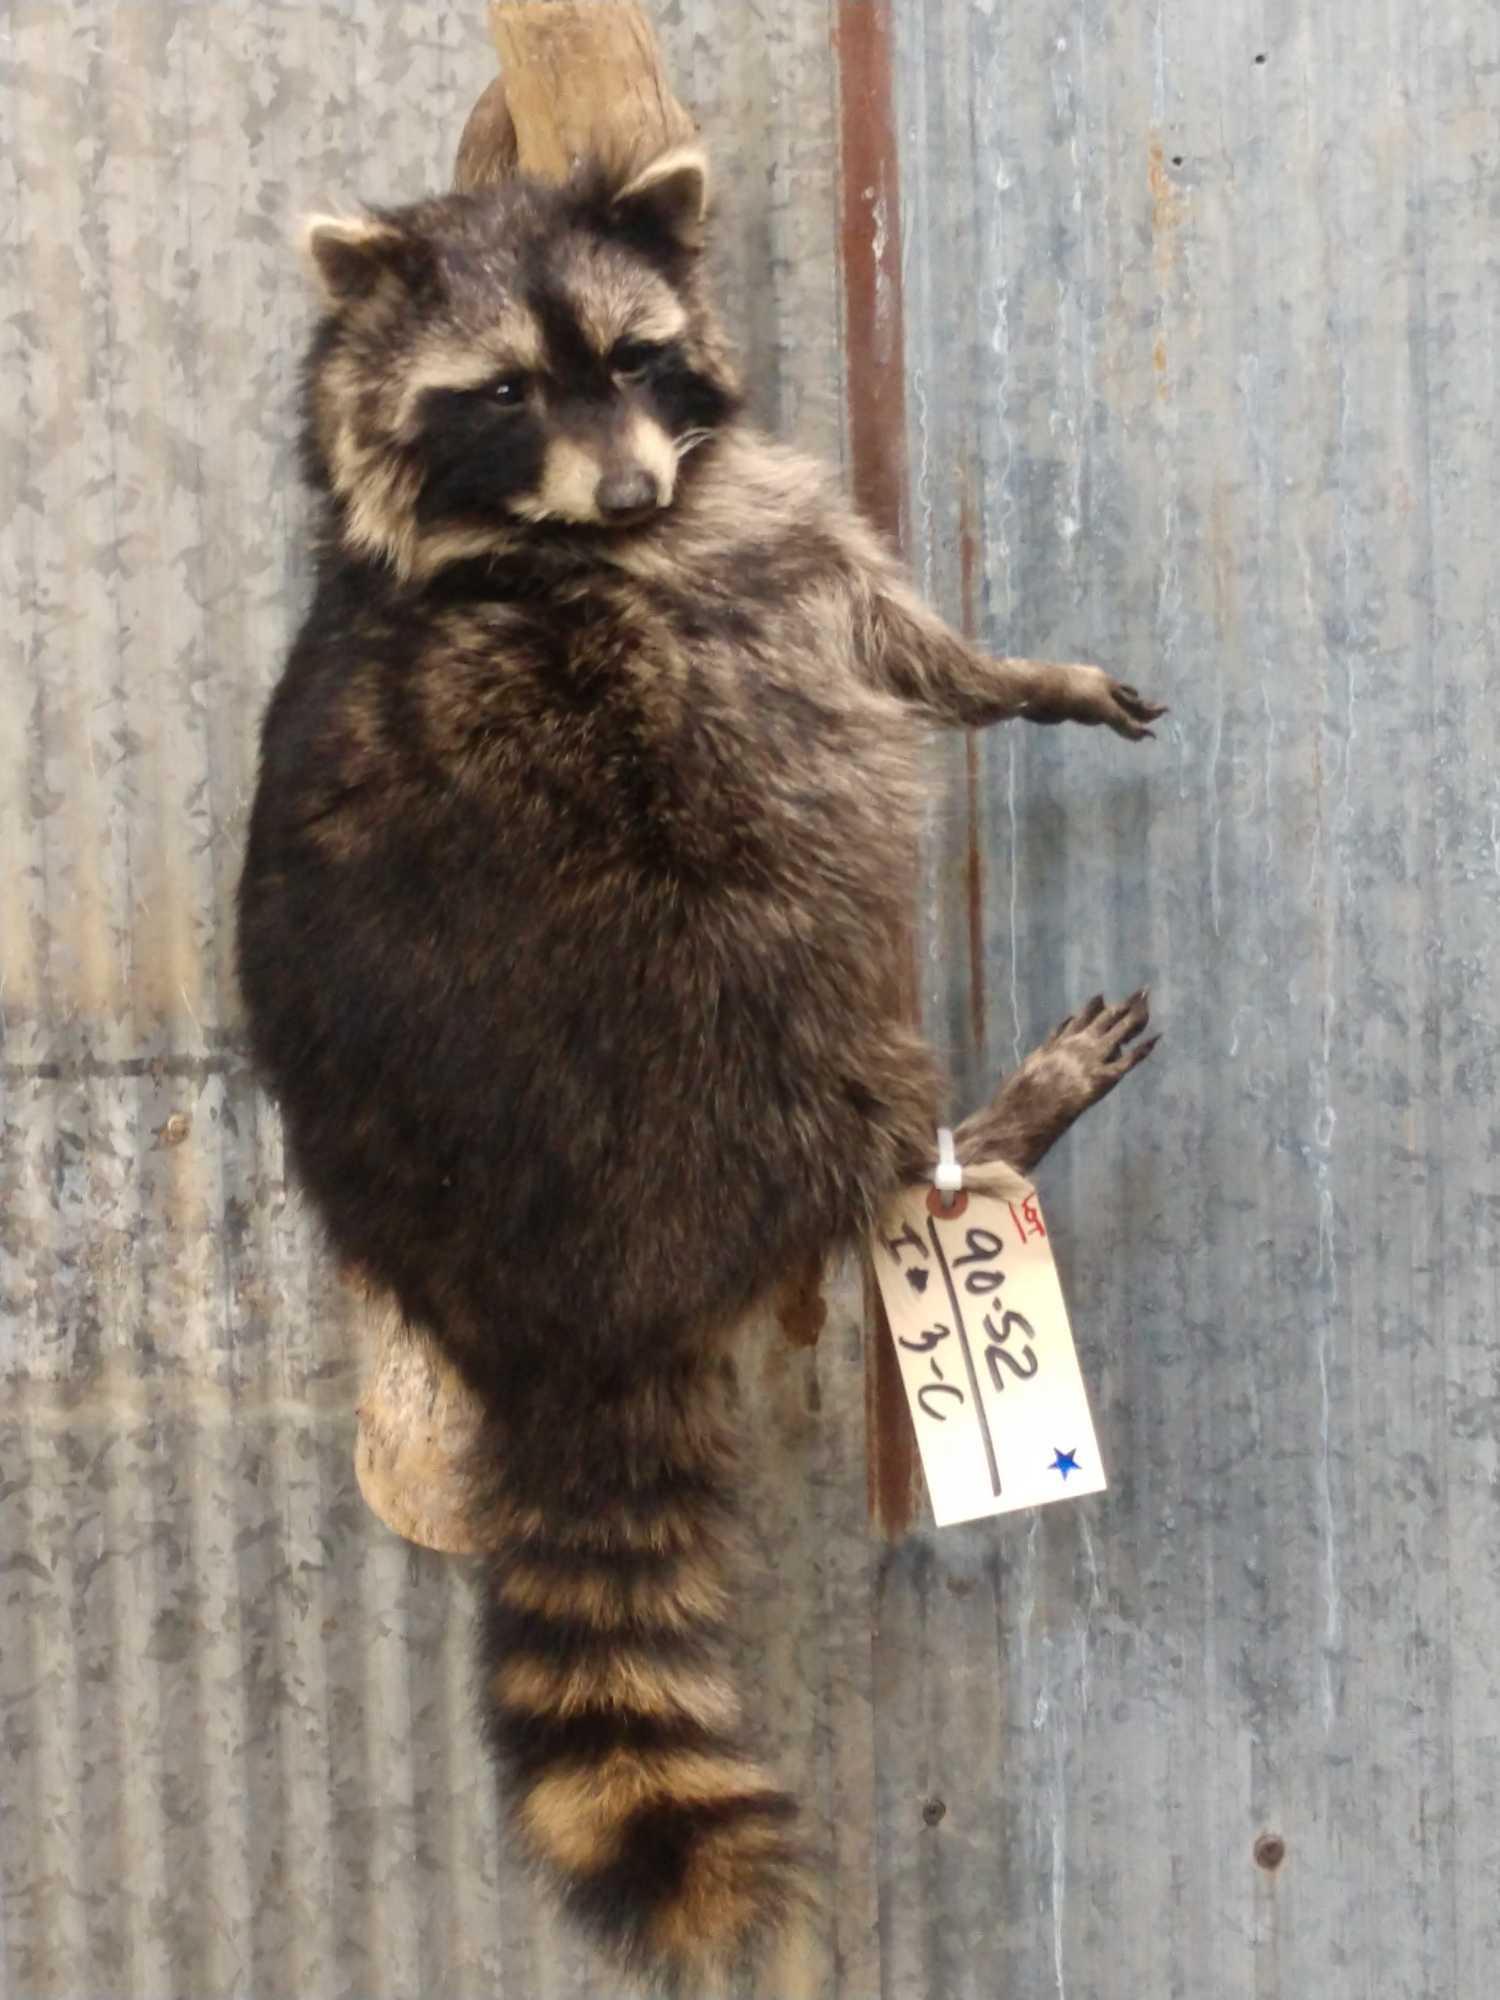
[1080,1062]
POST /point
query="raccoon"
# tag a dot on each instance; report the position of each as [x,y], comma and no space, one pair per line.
[584,831]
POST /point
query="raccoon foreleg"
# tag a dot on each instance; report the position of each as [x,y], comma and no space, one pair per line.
[1080,1062]
[919,658]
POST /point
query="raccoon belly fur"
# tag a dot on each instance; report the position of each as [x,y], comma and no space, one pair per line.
[583,831]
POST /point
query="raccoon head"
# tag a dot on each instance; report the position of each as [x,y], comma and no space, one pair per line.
[531,360]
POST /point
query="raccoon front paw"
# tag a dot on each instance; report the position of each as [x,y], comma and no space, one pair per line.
[1091,696]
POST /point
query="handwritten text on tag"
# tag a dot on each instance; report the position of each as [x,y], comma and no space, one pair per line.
[987,1354]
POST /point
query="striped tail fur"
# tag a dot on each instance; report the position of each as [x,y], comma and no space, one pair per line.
[609,1702]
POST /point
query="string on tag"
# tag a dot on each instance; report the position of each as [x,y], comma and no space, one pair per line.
[948,1175]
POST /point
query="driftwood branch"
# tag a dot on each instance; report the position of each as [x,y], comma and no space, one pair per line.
[487,150]
[579,77]
[417,1423]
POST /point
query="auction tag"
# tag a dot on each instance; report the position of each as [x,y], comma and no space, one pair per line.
[987,1354]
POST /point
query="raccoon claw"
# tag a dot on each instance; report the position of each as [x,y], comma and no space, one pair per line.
[1070,1023]
[1127,711]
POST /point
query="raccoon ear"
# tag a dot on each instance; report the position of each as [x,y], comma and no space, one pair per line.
[349,255]
[668,198]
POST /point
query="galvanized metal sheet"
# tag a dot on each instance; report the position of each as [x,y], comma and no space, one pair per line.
[1200,305]
[1191,358]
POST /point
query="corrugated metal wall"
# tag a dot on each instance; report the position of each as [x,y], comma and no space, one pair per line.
[1187,364]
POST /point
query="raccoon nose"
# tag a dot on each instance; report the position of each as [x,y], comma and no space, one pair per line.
[619,495]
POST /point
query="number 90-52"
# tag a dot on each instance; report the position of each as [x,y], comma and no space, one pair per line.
[983,1249]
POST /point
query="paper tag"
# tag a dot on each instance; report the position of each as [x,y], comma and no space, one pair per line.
[987,1353]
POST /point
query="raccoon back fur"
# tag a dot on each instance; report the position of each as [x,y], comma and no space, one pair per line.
[584,825]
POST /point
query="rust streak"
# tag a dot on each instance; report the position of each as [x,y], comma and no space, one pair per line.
[974,882]
[1168,210]
[891,1471]
[875,394]
[801,1309]
[968,557]
[968,553]
[870,236]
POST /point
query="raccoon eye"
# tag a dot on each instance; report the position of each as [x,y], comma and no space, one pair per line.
[507,390]
[633,360]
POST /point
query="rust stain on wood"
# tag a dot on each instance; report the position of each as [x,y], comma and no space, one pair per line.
[875,391]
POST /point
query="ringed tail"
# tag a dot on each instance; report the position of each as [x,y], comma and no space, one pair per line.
[608,1699]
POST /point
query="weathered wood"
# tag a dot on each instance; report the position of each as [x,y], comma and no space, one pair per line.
[487,149]
[417,1422]
[578,77]
[585,79]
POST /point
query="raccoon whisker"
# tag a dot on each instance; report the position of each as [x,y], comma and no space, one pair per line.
[690,441]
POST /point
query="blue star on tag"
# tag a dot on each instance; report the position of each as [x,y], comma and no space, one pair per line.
[1063,1462]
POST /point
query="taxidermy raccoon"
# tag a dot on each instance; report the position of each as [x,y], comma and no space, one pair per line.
[584,829]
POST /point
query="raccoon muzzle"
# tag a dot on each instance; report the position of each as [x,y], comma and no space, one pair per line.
[609,1702]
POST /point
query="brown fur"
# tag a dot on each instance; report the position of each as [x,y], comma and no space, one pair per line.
[584,829]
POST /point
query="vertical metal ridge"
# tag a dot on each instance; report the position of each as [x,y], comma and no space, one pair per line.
[42,1919]
[1455,62]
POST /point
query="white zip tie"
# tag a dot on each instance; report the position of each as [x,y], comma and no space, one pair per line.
[948,1175]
